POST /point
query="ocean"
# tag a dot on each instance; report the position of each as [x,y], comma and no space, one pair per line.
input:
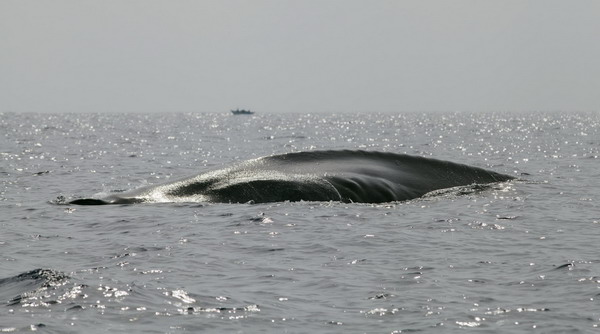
[516,257]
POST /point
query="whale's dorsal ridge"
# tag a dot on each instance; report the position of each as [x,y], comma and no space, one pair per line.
[330,175]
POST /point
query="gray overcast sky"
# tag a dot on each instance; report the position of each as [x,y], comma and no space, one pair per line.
[299,55]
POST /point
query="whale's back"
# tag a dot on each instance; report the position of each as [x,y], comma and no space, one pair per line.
[348,176]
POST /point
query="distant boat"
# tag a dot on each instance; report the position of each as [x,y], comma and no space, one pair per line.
[242,112]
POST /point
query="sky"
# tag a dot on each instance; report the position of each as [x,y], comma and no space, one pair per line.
[305,56]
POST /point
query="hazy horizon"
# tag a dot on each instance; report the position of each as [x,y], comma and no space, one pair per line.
[299,56]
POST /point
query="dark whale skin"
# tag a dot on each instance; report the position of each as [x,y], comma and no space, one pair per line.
[345,176]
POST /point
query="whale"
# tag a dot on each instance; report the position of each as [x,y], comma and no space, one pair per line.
[337,175]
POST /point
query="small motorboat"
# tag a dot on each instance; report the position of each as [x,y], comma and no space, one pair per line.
[242,112]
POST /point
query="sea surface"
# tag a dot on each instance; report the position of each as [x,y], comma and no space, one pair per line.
[519,257]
